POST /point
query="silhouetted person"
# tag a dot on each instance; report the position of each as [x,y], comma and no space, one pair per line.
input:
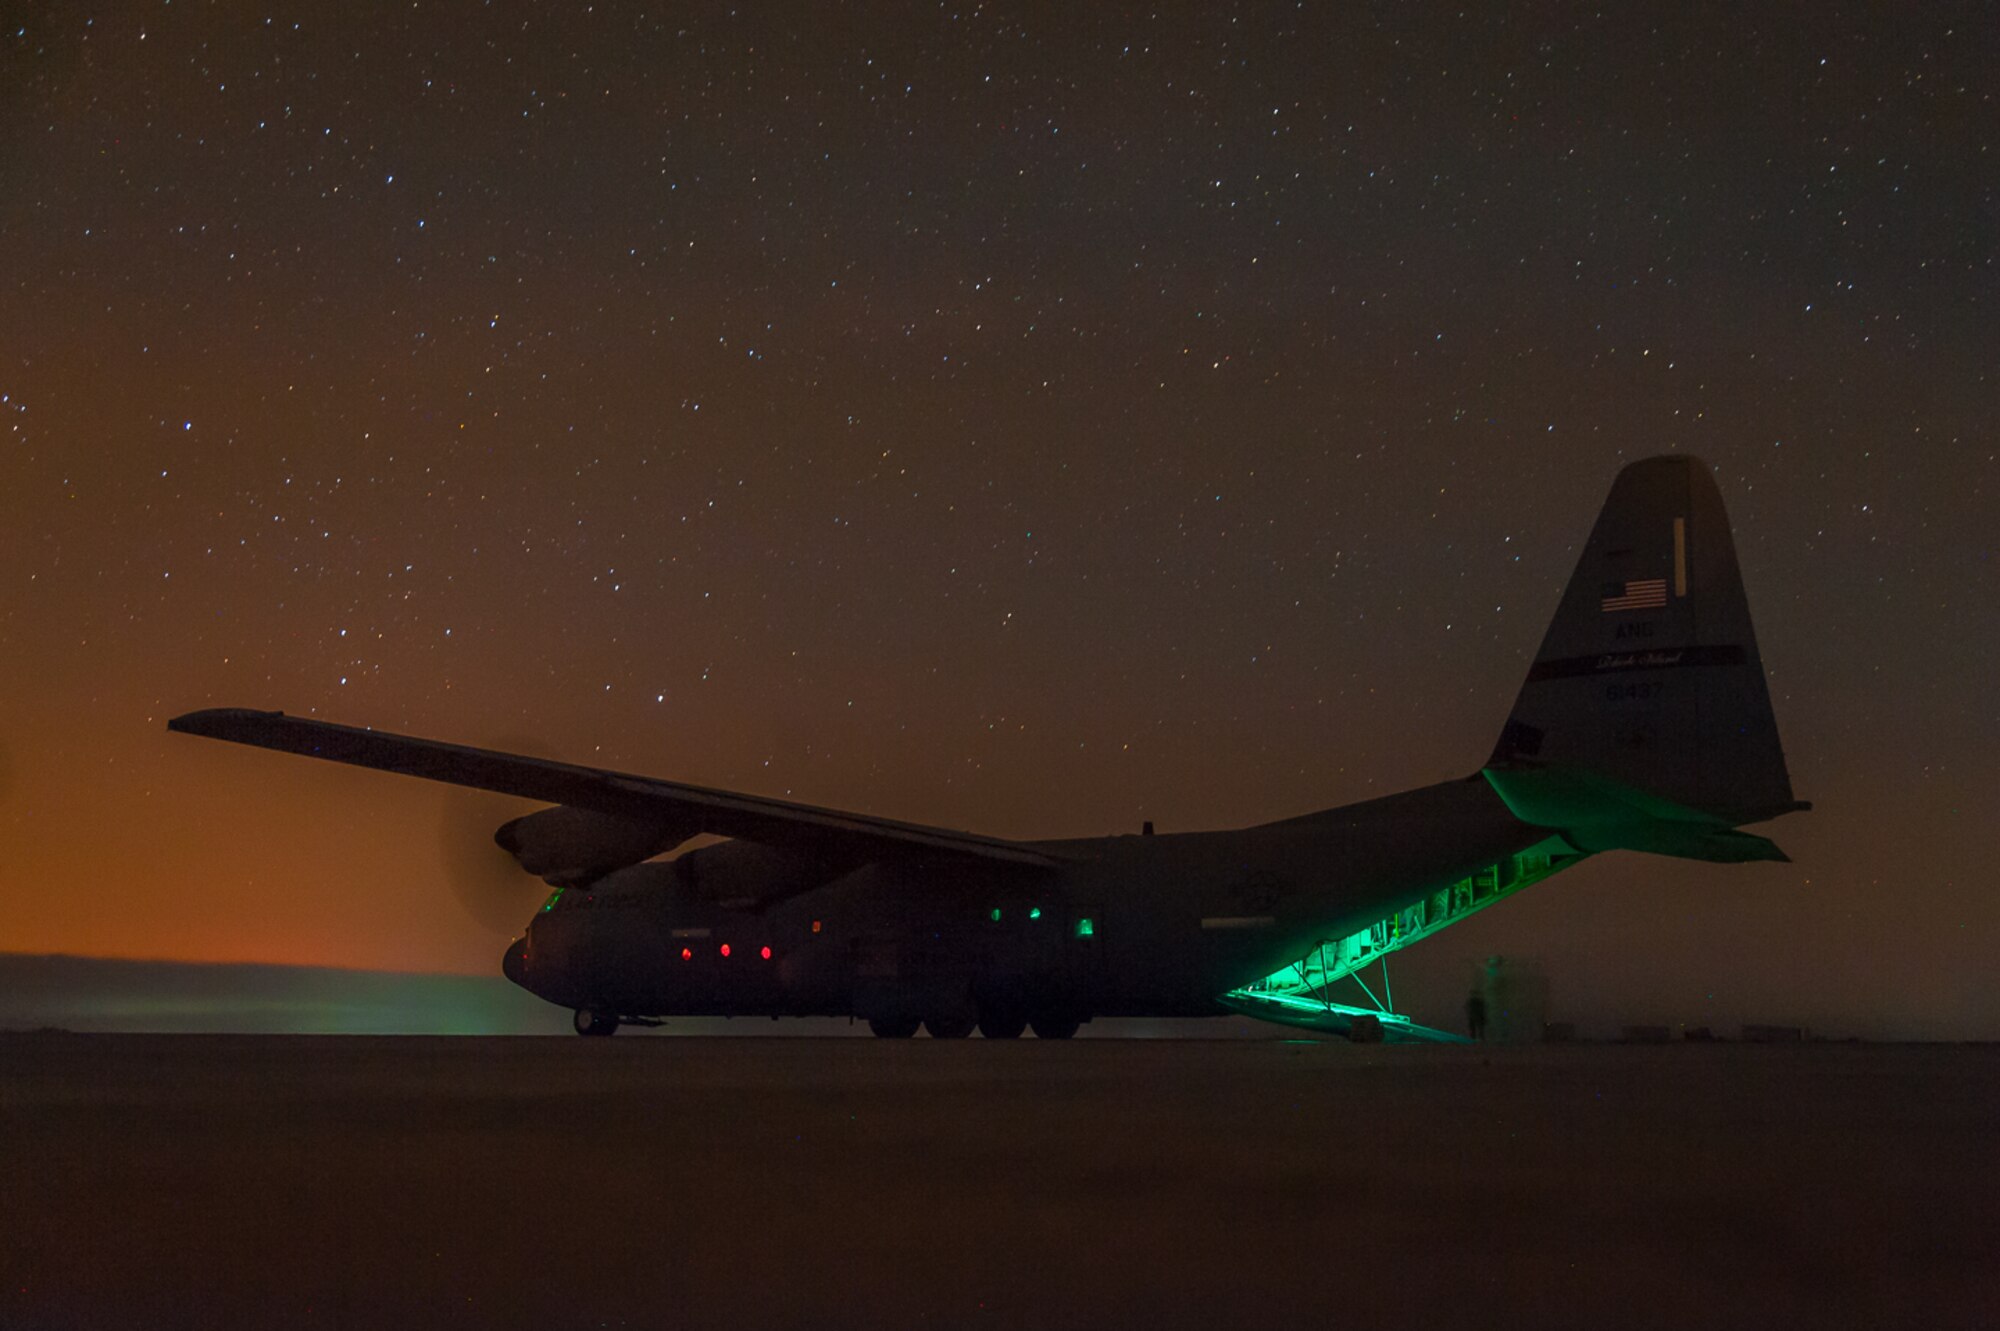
[1475,1015]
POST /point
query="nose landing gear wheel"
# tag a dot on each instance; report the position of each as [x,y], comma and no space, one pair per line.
[1002,1028]
[590,1022]
[948,1028]
[1054,1028]
[893,1028]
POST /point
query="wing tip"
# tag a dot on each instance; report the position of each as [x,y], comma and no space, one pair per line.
[213,721]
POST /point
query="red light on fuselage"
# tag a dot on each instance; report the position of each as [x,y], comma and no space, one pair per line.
[687,954]
[767,954]
[725,949]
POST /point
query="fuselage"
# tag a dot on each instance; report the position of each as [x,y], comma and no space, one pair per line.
[1644,723]
[1128,926]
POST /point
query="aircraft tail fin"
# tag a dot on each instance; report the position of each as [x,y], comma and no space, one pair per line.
[1649,676]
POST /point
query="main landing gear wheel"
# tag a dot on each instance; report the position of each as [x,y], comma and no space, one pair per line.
[590,1022]
[951,1028]
[893,1028]
[1002,1028]
[1054,1028]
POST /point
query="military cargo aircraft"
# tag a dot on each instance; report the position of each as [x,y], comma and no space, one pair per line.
[1644,724]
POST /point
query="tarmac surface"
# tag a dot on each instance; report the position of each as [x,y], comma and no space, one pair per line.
[201,1181]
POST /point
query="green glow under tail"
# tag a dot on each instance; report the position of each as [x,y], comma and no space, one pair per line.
[1595,813]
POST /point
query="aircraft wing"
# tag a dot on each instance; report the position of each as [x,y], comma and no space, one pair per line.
[716,812]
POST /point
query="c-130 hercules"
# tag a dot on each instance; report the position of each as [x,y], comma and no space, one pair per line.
[1644,724]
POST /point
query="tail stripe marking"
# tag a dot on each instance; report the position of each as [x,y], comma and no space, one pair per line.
[1675,659]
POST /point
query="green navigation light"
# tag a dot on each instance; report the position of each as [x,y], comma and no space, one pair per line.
[996,915]
[1084,928]
[550,904]
[1035,913]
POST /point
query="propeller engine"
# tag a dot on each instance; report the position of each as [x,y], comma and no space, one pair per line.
[566,846]
[484,878]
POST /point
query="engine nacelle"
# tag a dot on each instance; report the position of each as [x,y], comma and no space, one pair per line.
[737,875]
[565,845]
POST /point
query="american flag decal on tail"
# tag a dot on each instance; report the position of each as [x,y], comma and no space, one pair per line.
[1639,594]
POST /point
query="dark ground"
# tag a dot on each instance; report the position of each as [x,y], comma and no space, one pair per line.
[321,1181]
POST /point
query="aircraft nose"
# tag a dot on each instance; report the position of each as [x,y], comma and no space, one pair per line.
[514,965]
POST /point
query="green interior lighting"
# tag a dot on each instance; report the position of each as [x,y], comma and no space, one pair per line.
[1298,994]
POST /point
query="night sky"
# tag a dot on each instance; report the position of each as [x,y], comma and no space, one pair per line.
[1033,423]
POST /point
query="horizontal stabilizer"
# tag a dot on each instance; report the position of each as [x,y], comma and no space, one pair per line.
[1595,813]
